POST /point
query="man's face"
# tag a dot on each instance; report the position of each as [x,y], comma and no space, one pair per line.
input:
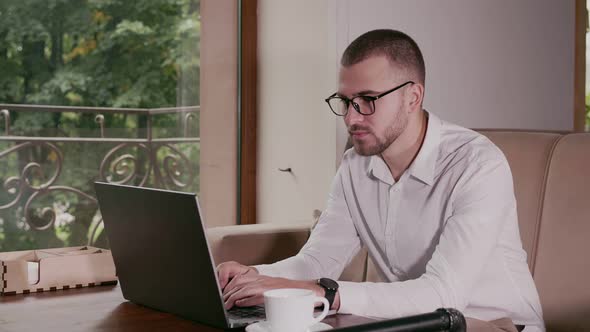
[372,134]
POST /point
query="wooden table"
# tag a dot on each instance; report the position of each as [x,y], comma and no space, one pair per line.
[100,308]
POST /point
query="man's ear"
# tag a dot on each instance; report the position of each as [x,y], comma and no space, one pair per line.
[415,95]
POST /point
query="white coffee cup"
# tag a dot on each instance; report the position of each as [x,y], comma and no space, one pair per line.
[291,309]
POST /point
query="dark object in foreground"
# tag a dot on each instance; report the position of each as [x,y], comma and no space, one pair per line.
[444,320]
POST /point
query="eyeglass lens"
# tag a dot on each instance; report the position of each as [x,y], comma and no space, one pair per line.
[363,105]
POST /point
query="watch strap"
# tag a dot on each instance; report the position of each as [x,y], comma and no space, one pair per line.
[330,292]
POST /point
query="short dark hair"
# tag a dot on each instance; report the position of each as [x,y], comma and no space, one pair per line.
[398,47]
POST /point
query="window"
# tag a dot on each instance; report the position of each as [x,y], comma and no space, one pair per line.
[108,90]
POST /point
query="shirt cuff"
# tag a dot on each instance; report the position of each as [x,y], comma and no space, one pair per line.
[353,298]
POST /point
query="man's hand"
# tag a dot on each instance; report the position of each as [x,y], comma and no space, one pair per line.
[229,270]
[246,290]
[243,286]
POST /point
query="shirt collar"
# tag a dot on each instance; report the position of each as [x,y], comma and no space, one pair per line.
[379,170]
[423,166]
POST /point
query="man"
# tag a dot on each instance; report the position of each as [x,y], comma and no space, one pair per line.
[433,203]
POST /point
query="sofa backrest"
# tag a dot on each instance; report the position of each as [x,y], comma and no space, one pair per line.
[562,269]
[529,156]
[552,185]
[551,175]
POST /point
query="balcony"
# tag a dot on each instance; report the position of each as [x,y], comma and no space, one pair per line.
[47,167]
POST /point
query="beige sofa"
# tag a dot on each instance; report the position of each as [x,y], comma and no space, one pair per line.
[552,184]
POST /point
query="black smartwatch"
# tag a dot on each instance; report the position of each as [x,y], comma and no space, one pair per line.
[331,287]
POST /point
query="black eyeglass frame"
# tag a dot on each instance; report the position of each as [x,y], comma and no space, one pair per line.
[356,106]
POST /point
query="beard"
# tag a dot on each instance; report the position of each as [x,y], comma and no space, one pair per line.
[374,144]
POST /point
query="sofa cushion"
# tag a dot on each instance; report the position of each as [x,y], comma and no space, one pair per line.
[528,154]
[256,244]
[356,269]
[373,274]
[269,243]
[562,269]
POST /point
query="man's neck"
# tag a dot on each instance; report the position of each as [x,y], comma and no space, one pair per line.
[401,153]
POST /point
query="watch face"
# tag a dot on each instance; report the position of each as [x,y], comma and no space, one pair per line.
[328,283]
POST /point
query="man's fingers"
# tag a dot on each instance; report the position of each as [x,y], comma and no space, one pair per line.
[250,301]
[226,271]
[237,282]
[240,283]
[223,276]
[232,287]
[247,295]
[232,283]
[237,295]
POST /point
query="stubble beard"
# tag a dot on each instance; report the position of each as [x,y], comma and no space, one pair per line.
[393,131]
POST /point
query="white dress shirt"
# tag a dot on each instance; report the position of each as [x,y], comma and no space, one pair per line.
[444,235]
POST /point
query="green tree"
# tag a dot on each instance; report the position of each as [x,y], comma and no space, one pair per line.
[104,53]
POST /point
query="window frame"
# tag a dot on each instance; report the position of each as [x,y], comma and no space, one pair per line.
[581,24]
[228,163]
[247,154]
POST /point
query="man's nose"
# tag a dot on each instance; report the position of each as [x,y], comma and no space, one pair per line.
[352,116]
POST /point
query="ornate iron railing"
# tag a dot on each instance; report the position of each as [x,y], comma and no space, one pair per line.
[164,164]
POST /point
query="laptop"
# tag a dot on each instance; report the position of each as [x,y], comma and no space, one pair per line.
[162,257]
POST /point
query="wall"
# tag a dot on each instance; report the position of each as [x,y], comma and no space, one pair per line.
[297,71]
[490,64]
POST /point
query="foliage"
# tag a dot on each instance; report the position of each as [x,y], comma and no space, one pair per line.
[100,53]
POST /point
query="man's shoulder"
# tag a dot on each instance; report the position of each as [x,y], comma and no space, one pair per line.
[462,144]
[469,159]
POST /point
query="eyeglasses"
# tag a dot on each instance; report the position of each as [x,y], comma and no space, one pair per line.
[365,105]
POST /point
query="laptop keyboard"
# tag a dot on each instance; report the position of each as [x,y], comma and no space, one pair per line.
[247,312]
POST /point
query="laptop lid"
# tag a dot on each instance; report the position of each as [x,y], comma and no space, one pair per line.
[161,252]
